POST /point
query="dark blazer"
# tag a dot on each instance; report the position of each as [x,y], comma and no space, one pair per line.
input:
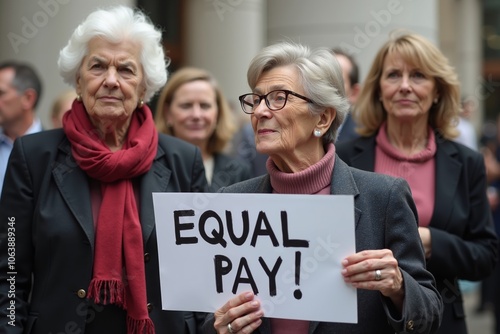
[385,217]
[462,234]
[347,131]
[227,171]
[47,196]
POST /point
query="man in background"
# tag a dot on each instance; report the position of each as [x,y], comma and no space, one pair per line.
[350,74]
[20,91]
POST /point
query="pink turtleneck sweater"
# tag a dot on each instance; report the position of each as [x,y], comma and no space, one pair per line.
[419,170]
[314,180]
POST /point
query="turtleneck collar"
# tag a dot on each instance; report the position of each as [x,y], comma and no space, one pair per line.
[422,156]
[315,179]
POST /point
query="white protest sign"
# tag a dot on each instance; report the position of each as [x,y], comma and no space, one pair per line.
[286,248]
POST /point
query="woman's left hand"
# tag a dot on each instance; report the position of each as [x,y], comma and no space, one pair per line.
[375,270]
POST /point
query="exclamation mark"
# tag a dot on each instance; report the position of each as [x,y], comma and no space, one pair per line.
[297,293]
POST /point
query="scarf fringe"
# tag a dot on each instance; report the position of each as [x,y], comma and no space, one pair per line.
[111,291]
[142,326]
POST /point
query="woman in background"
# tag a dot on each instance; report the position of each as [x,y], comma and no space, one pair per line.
[192,107]
[406,114]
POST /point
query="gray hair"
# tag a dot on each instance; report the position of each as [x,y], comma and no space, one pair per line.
[319,73]
[115,25]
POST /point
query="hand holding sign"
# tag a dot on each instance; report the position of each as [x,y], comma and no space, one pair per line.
[242,312]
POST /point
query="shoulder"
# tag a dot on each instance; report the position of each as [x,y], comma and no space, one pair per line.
[175,149]
[173,144]
[44,143]
[259,184]
[226,162]
[350,147]
[458,151]
[43,138]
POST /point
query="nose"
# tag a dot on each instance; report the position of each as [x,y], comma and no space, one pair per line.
[196,110]
[111,79]
[262,110]
[405,83]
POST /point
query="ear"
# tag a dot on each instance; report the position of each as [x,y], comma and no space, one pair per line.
[28,99]
[78,86]
[326,119]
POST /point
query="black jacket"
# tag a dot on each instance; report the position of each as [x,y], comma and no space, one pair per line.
[47,196]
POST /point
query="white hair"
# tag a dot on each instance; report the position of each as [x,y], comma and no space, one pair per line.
[115,25]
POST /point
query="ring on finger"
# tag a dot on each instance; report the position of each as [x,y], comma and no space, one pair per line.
[378,275]
[230,329]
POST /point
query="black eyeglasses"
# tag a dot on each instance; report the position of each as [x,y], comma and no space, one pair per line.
[275,100]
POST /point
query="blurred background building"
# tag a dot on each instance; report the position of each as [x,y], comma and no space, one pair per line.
[223,35]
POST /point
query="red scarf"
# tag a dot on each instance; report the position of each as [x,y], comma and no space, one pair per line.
[119,276]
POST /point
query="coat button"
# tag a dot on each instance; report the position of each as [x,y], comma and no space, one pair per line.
[81,293]
[150,307]
[409,325]
[147,257]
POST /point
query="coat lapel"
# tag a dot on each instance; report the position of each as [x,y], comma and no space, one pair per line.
[69,177]
[342,184]
[155,180]
[73,186]
[448,171]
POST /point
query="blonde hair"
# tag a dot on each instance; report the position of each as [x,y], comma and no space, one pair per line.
[225,127]
[369,112]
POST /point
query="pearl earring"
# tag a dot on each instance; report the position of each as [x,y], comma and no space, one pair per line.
[78,97]
[317,133]
[436,100]
[141,104]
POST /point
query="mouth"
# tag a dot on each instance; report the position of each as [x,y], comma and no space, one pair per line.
[109,98]
[264,131]
[405,101]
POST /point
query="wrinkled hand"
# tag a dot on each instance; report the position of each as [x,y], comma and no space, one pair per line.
[242,312]
[361,269]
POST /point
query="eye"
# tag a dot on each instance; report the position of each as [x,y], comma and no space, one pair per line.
[96,66]
[205,106]
[393,74]
[126,70]
[185,105]
[418,75]
[254,100]
[278,96]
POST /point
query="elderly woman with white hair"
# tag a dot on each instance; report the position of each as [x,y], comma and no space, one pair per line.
[296,105]
[76,207]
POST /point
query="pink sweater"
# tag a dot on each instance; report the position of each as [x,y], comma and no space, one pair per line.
[316,179]
[419,170]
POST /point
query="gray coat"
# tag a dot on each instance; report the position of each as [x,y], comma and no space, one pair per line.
[385,217]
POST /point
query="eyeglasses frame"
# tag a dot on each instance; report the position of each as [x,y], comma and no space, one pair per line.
[264,97]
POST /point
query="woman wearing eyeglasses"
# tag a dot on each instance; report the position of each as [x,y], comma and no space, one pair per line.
[296,106]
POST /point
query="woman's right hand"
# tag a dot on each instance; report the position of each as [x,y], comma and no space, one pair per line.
[242,313]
